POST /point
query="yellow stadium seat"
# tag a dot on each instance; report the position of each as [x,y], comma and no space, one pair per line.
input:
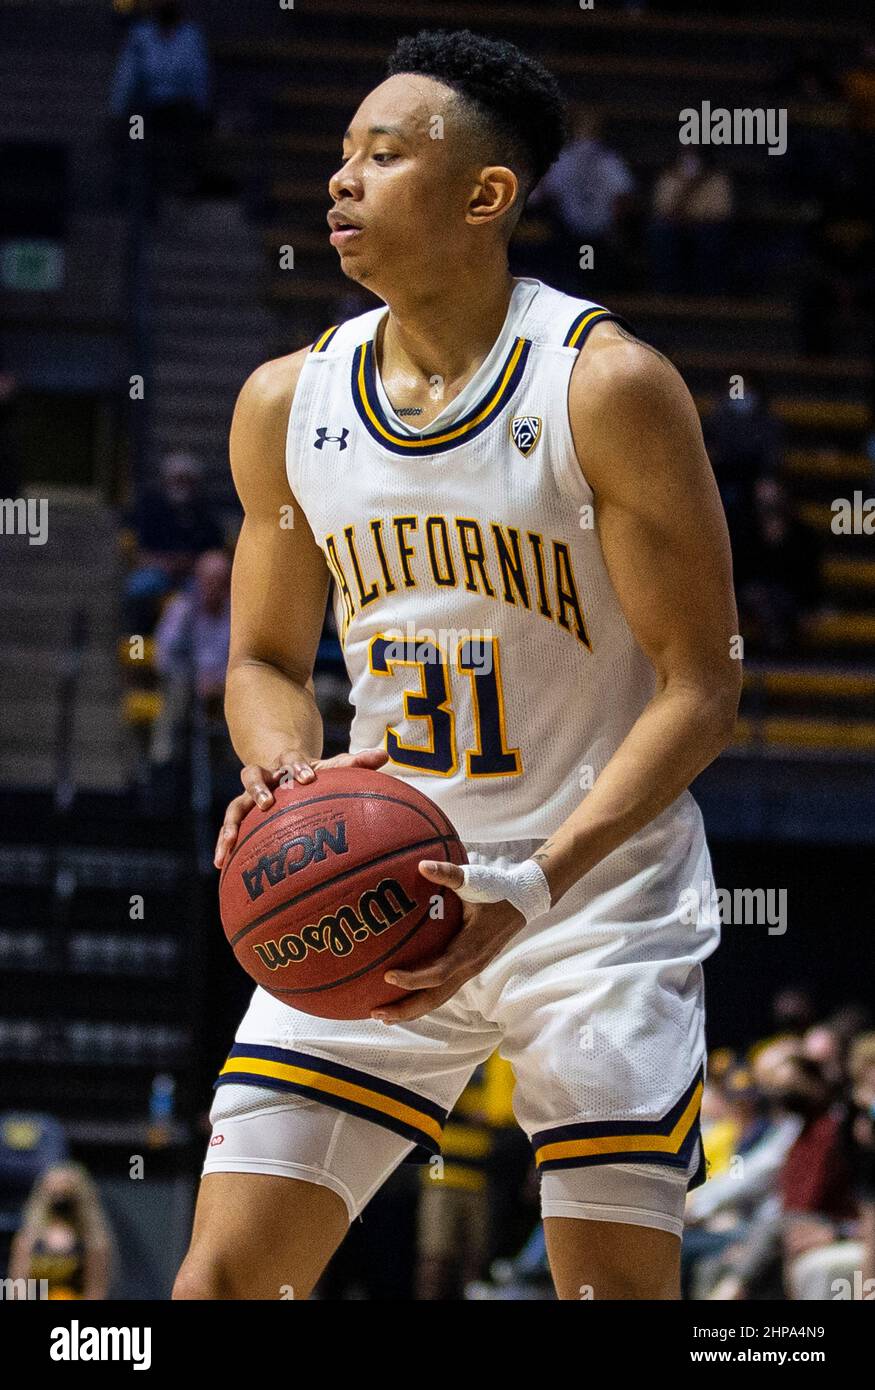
[141,707]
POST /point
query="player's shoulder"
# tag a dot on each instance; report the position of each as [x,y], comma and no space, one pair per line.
[270,389]
[259,426]
[619,372]
[630,412]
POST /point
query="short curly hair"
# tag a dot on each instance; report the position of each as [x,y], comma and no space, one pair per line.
[513,98]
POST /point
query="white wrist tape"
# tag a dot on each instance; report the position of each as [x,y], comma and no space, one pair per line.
[524,886]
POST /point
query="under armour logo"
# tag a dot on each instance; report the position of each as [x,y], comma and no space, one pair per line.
[323,437]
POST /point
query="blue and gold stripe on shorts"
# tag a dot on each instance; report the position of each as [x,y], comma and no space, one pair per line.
[580,328]
[487,409]
[344,1088]
[670,1141]
[322,342]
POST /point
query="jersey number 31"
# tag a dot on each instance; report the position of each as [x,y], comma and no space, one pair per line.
[479,662]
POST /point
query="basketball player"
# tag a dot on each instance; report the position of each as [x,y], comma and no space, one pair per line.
[481,455]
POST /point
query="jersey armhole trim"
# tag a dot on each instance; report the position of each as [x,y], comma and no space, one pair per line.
[569,471]
[324,339]
[582,326]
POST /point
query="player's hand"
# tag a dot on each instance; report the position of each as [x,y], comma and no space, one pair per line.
[258,782]
[489,920]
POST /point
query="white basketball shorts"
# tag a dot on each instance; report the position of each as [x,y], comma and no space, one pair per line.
[597,1005]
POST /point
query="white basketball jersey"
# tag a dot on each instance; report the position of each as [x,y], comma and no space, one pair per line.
[485,645]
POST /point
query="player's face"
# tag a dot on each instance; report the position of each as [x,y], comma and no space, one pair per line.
[400,195]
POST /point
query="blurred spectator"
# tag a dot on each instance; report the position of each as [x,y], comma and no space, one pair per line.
[836,279]
[825,1045]
[803,1239]
[800,1177]
[722,1214]
[163,74]
[815,1176]
[191,650]
[861,1072]
[793,1009]
[29,1144]
[818,1200]
[745,442]
[172,524]
[64,1237]
[849,1022]
[819,163]
[163,65]
[691,207]
[776,571]
[746,1108]
[585,196]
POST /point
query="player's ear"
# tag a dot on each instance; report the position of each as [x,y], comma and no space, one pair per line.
[496,189]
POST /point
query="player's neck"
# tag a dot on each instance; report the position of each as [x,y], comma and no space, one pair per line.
[447,331]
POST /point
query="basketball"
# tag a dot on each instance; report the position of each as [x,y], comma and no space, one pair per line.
[321,894]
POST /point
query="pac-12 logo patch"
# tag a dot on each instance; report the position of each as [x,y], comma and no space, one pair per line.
[323,437]
[525,431]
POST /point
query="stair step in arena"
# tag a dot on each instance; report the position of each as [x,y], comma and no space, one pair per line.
[831,464]
[842,630]
[827,734]
[822,683]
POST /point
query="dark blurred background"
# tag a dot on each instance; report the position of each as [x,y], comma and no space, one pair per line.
[141,280]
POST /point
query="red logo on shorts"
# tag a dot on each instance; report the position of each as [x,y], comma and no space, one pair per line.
[217,1139]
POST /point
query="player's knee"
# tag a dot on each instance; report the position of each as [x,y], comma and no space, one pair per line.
[200,1277]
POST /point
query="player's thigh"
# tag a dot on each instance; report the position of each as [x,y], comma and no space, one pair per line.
[259,1236]
[598,1260]
[283,1177]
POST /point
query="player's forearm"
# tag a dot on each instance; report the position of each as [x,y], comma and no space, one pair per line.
[680,731]
[269,713]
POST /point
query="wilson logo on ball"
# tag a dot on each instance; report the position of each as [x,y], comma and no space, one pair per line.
[377,909]
[292,856]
